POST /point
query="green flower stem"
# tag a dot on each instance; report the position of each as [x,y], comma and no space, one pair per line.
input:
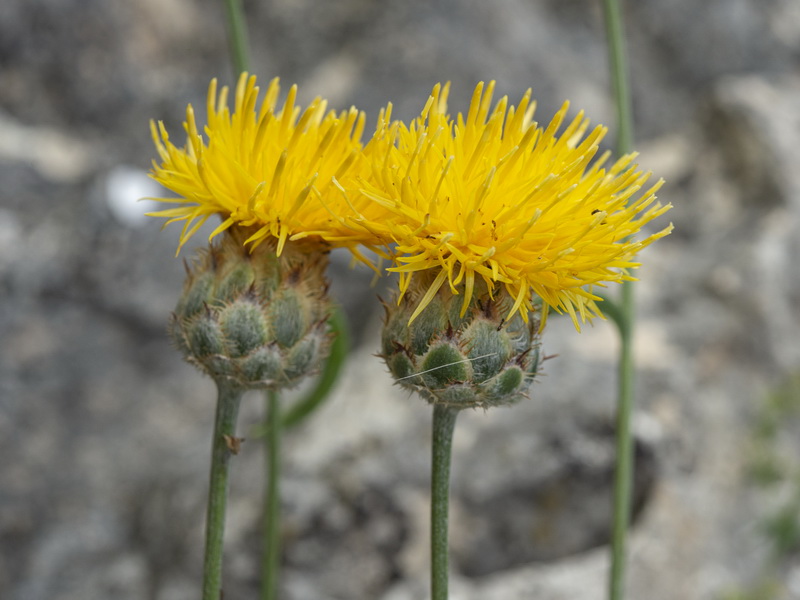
[274,426]
[624,318]
[623,479]
[224,445]
[444,420]
[619,75]
[272,510]
[237,35]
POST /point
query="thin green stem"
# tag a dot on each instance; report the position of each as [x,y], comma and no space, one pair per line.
[237,35]
[224,445]
[272,509]
[444,420]
[625,318]
[623,479]
[619,75]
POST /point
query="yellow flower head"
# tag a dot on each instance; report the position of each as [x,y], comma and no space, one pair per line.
[259,166]
[495,196]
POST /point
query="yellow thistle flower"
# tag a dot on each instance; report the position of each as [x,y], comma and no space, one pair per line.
[256,316]
[494,196]
[261,167]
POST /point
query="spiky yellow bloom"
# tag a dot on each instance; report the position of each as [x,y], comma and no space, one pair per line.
[274,169]
[254,308]
[494,196]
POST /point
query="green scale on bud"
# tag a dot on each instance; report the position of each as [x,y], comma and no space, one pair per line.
[252,317]
[475,360]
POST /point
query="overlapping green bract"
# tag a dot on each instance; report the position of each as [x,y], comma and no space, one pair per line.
[254,318]
[474,360]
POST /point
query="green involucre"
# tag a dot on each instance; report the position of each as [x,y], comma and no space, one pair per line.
[477,359]
[252,317]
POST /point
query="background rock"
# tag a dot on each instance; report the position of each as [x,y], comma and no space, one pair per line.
[104,431]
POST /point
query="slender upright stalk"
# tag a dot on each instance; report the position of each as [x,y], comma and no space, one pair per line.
[624,447]
[623,479]
[444,420]
[223,446]
[237,35]
[618,63]
[272,509]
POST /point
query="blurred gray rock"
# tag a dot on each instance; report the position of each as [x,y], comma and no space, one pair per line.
[104,431]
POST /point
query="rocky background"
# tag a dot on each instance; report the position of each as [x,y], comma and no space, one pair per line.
[104,432]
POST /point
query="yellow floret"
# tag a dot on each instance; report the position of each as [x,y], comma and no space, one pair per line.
[263,166]
[493,195]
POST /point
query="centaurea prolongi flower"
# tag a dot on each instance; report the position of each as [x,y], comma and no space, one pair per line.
[494,221]
[255,305]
